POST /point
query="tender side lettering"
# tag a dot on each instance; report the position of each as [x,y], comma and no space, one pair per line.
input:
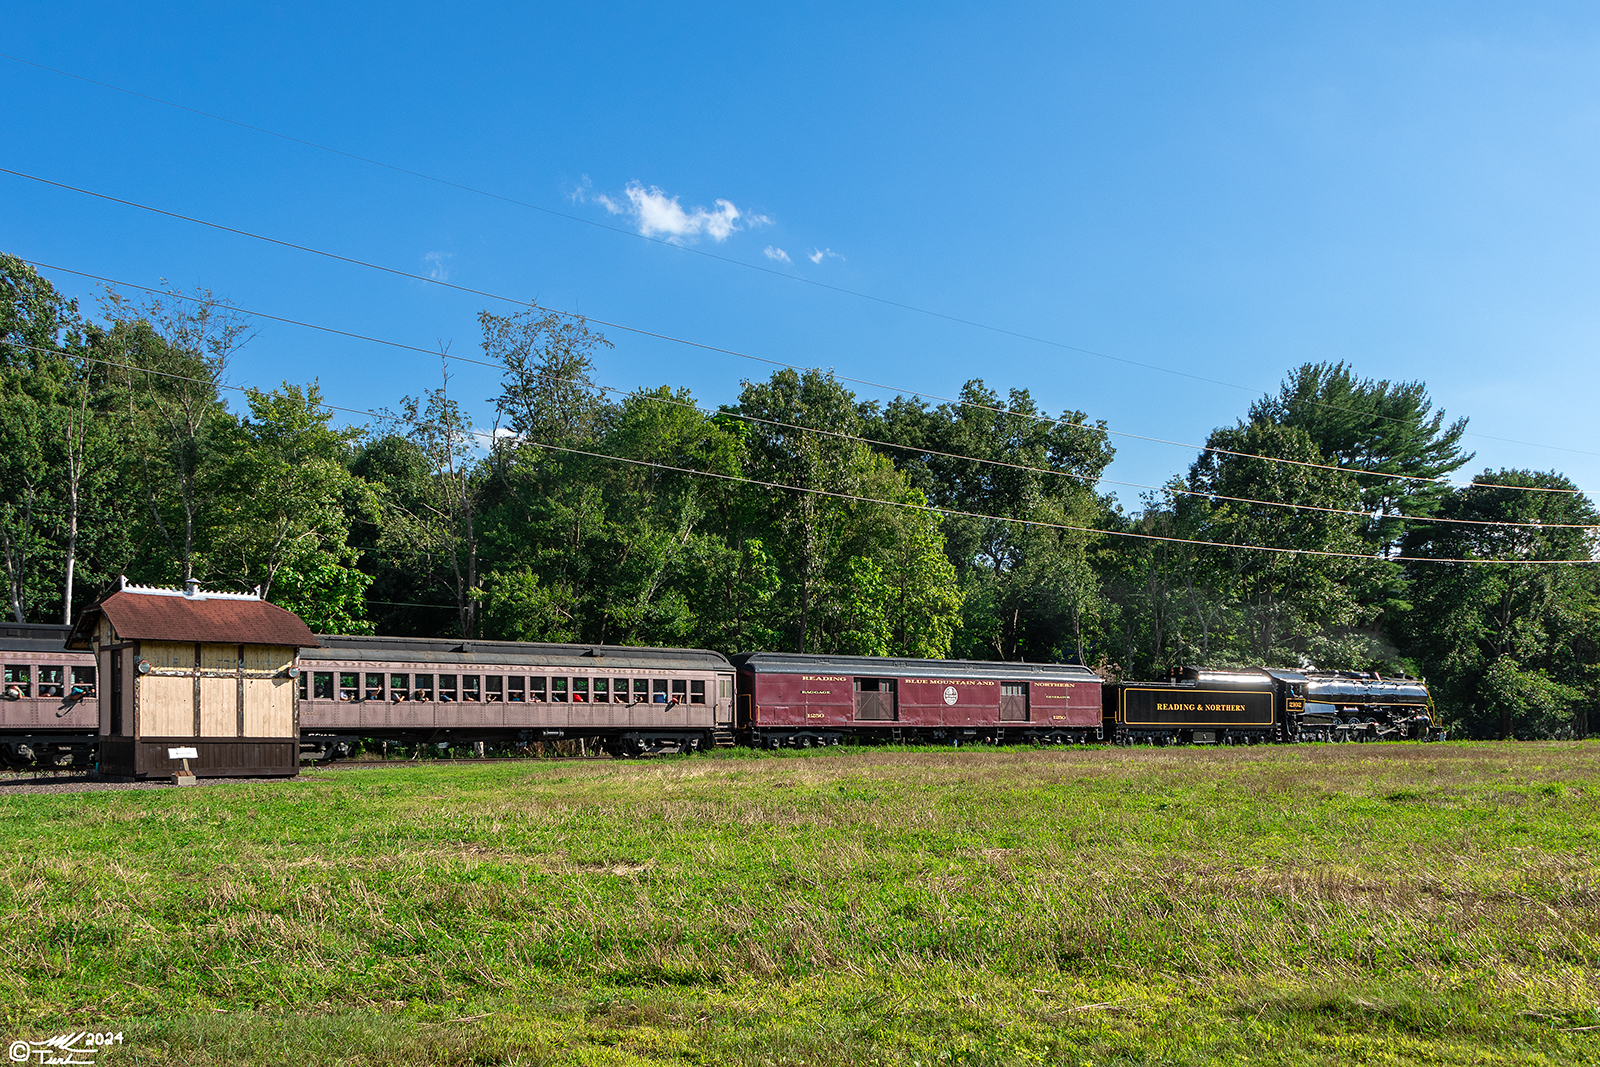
[1199,707]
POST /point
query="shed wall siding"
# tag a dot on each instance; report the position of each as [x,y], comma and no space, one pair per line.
[175,654]
[166,706]
[268,707]
[219,707]
[267,657]
[219,657]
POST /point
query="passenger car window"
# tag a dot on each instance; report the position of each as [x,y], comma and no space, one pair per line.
[349,685]
[322,685]
[659,691]
[620,689]
[558,690]
[580,690]
[18,682]
[399,687]
[83,682]
[374,687]
[50,681]
[538,689]
[493,687]
[516,688]
[697,691]
[469,687]
[447,687]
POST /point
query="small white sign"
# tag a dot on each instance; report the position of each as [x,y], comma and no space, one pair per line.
[949,694]
[183,753]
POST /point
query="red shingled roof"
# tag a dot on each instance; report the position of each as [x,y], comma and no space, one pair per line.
[220,620]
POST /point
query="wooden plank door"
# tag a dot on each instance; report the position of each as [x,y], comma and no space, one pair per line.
[1014,702]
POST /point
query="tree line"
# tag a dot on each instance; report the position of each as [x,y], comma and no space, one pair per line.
[799,517]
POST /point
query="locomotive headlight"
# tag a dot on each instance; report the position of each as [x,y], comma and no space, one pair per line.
[143,666]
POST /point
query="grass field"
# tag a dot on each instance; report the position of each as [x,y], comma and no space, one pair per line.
[1404,903]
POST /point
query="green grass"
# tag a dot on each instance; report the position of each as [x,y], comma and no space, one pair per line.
[1404,904]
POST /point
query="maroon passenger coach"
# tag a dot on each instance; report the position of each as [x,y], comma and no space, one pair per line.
[788,699]
[48,710]
[632,701]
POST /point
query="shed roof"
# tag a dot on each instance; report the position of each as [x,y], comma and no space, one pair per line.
[146,614]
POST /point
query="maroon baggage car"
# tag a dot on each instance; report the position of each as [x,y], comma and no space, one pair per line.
[789,699]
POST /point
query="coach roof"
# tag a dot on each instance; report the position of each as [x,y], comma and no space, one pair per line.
[465,653]
[870,666]
[34,637]
[144,613]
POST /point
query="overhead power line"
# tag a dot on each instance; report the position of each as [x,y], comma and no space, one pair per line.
[1005,464]
[858,498]
[734,352]
[842,290]
[835,433]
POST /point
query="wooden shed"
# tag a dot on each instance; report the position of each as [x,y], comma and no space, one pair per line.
[197,675]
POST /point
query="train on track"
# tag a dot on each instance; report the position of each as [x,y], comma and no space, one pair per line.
[634,702]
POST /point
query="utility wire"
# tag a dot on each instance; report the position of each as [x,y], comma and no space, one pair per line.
[744,355]
[1085,479]
[857,498]
[1003,331]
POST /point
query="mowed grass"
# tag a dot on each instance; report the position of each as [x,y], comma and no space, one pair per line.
[1400,903]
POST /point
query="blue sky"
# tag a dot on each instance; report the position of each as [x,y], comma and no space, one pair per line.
[1226,191]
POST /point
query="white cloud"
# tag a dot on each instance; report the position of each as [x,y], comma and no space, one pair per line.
[777,253]
[819,254]
[659,215]
[440,271]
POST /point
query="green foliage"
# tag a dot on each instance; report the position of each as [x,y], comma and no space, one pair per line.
[1534,629]
[325,590]
[1028,590]
[1274,608]
[518,608]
